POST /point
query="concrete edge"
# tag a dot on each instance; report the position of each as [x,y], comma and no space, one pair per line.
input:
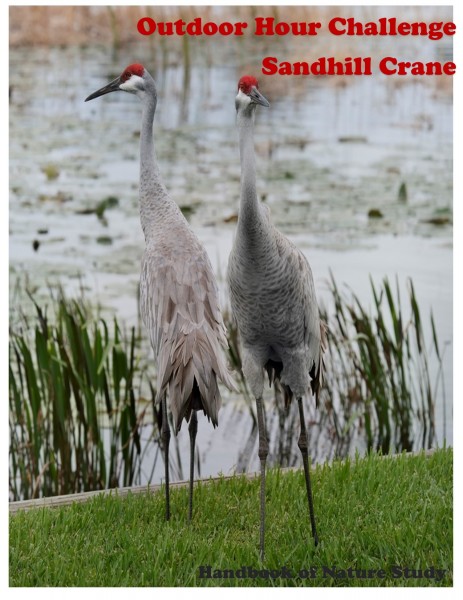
[67,500]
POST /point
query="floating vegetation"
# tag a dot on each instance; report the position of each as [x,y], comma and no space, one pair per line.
[109,202]
[443,210]
[101,207]
[51,171]
[231,218]
[442,216]
[375,213]
[402,196]
[189,209]
[352,139]
[105,240]
[59,197]
[439,221]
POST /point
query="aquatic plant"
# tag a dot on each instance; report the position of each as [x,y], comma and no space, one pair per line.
[385,361]
[74,397]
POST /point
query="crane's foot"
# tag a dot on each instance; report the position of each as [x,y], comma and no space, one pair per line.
[303,447]
[193,430]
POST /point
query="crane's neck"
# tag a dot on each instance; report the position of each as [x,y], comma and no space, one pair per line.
[251,220]
[249,206]
[154,199]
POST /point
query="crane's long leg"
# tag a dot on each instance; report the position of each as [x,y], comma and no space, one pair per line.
[263,452]
[303,447]
[193,429]
[165,442]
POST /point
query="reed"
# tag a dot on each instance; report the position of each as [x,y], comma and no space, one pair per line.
[76,411]
[383,359]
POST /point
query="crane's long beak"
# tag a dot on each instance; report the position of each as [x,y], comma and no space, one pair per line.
[257,98]
[113,86]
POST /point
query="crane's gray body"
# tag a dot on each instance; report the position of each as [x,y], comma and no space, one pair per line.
[178,293]
[272,292]
[274,304]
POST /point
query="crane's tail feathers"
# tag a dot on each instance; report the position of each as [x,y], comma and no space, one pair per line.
[189,367]
[274,369]
[317,372]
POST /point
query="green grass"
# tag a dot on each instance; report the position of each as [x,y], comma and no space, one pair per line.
[372,513]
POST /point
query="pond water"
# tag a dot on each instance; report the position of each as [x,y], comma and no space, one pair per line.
[328,153]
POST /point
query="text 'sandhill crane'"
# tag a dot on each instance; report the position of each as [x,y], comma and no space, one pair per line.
[273,300]
[178,291]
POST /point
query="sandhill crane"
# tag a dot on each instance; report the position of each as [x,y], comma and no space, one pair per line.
[178,292]
[273,301]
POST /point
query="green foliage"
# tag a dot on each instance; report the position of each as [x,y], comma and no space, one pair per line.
[109,202]
[51,171]
[375,213]
[72,385]
[378,371]
[372,513]
[402,196]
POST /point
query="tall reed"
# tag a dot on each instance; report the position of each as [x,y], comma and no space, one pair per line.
[72,396]
[384,359]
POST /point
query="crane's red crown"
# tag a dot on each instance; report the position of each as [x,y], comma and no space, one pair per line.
[246,83]
[135,69]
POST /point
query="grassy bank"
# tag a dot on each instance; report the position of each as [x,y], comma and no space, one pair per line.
[373,514]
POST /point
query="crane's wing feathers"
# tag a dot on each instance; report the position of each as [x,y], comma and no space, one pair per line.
[314,328]
[315,340]
[179,306]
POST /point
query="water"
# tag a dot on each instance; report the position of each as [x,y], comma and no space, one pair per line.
[328,153]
